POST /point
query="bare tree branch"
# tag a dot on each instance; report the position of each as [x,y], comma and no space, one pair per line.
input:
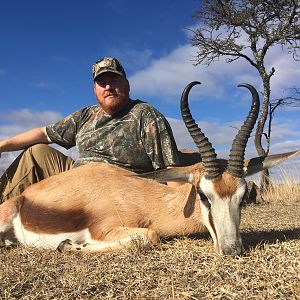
[248,29]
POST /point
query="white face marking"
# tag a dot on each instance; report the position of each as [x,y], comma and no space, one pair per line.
[205,218]
[225,216]
[191,178]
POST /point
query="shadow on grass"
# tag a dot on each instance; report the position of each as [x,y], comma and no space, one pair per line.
[257,238]
[253,239]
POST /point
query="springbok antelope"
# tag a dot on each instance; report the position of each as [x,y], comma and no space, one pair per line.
[100,208]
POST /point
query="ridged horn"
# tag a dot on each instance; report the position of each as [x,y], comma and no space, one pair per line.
[237,152]
[208,154]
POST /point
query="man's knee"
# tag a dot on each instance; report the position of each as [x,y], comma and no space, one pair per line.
[36,156]
[38,149]
[48,159]
[41,153]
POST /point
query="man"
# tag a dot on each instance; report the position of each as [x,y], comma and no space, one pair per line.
[118,130]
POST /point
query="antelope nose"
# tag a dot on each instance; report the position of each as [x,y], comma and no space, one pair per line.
[234,249]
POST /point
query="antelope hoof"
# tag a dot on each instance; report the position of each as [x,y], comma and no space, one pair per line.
[64,246]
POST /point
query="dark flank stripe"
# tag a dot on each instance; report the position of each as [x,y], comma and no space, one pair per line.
[40,219]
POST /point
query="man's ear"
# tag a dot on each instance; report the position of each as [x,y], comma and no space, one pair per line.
[128,85]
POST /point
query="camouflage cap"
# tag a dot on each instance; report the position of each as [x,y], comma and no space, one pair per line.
[108,64]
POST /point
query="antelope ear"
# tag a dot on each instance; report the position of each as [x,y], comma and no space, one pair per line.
[257,164]
[183,174]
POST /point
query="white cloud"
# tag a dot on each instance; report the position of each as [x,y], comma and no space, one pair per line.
[287,70]
[283,129]
[25,119]
[285,146]
[168,75]
[221,135]
[133,59]
[26,115]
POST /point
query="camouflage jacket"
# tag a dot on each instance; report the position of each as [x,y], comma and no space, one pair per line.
[139,138]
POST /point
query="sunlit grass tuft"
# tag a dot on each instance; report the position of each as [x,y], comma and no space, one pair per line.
[286,190]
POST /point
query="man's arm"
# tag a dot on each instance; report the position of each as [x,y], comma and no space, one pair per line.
[25,139]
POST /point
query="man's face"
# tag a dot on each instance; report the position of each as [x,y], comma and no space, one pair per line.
[112,92]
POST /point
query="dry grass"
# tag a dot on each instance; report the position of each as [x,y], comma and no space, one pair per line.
[183,268]
[287,192]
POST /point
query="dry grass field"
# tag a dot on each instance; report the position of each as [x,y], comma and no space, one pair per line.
[179,268]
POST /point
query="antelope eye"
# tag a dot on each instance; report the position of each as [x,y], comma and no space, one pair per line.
[203,198]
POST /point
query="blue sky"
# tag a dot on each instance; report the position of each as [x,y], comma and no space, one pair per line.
[48,47]
[51,45]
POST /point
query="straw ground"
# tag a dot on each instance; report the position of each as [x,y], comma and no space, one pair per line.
[179,268]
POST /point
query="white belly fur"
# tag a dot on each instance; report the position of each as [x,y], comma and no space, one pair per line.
[47,241]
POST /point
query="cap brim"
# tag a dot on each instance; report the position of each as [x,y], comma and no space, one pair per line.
[106,71]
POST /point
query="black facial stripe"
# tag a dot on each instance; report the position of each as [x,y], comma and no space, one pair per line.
[202,196]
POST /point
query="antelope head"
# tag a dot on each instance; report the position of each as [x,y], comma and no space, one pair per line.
[221,184]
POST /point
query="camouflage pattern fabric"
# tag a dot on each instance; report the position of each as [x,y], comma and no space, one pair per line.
[139,138]
[108,64]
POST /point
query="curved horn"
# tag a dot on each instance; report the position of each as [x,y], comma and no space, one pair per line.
[237,152]
[208,154]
